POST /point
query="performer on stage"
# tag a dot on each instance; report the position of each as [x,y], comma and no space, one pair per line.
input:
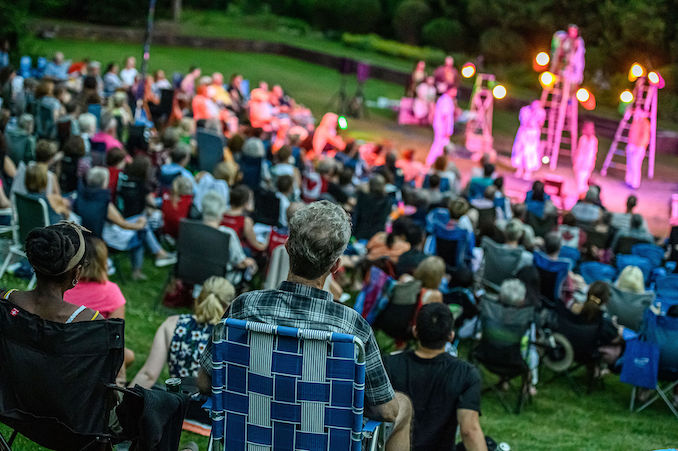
[526,154]
[584,157]
[418,76]
[639,138]
[568,50]
[446,75]
[443,124]
[325,138]
[424,102]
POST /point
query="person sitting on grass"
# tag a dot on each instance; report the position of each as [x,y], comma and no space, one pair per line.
[445,390]
[181,338]
[236,218]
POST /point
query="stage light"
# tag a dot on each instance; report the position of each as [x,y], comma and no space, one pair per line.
[626,96]
[542,59]
[342,122]
[468,70]
[653,77]
[636,71]
[545,159]
[583,95]
[499,92]
[547,79]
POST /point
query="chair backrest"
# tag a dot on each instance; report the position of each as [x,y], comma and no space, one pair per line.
[570,254]
[52,381]
[552,274]
[45,126]
[98,153]
[267,207]
[166,99]
[662,329]
[625,244]
[210,149]
[131,195]
[92,206]
[63,130]
[501,263]
[650,251]
[592,271]
[628,307]
[25,64]
[286,388]
[451,245]
[251,171]
[31,212]
[95,109]
[645,265]
[68,176]
[374,295]
[582,336]
[597,239]
[541,226]
[477,187]
[667,287]
[18,146]
[399,313]
[202,252]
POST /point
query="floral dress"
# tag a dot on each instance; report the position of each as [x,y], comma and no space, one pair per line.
[188,343]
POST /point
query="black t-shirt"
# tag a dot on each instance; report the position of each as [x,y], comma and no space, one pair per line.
[437,388]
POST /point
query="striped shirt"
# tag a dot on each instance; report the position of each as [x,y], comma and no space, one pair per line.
[304,307]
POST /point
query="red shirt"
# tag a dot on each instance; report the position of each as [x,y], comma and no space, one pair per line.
[172,213]
[277,238]
[236,223]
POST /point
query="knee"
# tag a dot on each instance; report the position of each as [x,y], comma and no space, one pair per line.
[405,410]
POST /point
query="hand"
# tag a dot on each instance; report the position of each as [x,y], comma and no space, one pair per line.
[141,223]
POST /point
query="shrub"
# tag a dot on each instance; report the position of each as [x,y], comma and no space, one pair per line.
[355,16]
[498,45]
[372,42]
[408,19]
[444,33]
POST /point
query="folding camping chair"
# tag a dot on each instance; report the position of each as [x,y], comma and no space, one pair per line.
[499,351]
[592,271]
[210,149]
[29,213]
[55,379]
[660,326]
[501,263]
[277,387]
[552,274]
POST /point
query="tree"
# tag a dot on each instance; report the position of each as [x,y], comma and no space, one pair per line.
[408,20]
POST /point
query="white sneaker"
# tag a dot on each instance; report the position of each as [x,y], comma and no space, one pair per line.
[170,259]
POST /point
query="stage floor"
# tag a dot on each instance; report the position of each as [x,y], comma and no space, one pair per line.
[653,195]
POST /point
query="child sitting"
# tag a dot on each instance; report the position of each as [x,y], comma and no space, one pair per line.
[236,218]
[176,205]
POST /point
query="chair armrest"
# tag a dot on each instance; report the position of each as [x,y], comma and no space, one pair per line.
[371,426]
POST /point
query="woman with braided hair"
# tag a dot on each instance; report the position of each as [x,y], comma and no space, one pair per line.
[57,254]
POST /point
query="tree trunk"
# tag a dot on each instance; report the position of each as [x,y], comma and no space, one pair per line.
[176,10]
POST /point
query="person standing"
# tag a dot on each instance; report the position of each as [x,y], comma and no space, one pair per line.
[443,124]
[526,153]
[584,158]
[639,138]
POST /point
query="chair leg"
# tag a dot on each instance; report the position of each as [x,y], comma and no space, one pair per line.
[4,446]
[6,263]
[633,398]
[667,400]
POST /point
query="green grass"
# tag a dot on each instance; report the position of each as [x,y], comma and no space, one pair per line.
[558,419]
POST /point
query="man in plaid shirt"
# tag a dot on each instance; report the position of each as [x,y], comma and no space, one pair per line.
[319,234]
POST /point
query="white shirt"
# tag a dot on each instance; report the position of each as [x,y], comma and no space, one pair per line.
[128,75]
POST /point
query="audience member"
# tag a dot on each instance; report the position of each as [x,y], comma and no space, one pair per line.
[319,234]
[445,390]
[181,339]
[635,231]
[237,219]
[372,209]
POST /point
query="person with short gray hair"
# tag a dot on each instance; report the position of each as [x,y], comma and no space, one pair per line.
[512,292]
[20,140]
[318,235]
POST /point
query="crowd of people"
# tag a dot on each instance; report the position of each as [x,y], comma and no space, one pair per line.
[113,154]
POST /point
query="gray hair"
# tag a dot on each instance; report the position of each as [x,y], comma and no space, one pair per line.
[97,177]
[87,122]
[512,292]
[213,206]
[319,234]
[108,122]
[514,230]
[26,122]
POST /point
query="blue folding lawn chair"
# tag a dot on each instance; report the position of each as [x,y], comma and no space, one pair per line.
[650,251]
[592,271]
[667,287]
[283,388]
[570,254]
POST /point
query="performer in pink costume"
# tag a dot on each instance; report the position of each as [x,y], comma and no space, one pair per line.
[639,138]
[526,154]
[443,124]
[326,133]
[584,158]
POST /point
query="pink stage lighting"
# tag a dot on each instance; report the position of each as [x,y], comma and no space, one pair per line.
[626,96]
[587,100]
[656,79]
[499,92]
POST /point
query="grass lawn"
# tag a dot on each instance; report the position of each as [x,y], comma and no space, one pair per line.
[558,419]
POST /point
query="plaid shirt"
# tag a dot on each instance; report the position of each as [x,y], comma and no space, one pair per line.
[305,307]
